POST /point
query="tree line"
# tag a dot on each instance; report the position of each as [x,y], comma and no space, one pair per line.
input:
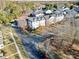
[13,10]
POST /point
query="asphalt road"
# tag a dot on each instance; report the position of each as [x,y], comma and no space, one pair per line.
[30,43]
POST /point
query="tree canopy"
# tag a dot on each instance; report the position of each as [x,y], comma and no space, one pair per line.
[13,10]
[3,18]
[48,6]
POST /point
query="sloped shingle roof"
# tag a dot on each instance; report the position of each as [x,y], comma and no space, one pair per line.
[77,9]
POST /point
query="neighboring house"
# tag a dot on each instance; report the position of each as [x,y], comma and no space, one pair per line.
[77,10]
[73,12]
[70,13]
[1,40]
[22,21]
[35,22]
[55,18]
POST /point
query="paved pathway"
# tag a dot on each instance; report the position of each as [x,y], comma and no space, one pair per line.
[17,48]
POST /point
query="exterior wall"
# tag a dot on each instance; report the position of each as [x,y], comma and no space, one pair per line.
[51,20]
[35,24]
[22,23]
[59,18]
[42,22]
[29,24]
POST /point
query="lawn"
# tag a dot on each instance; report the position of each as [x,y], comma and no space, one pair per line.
[9,46]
